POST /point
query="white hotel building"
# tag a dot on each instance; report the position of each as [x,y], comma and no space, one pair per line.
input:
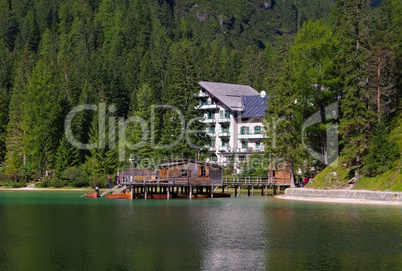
[233,115]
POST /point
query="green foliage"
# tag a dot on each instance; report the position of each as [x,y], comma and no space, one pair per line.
[256,166]
[133,54]
[75,177]
[305,85]
[66,156]
[351,18]
[382,153]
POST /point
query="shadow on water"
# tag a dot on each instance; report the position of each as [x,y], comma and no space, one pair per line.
[62,231]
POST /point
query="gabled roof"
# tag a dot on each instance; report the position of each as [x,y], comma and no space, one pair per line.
[254,106]
[228,94]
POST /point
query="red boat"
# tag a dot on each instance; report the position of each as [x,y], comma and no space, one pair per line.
[119,196]
[91,195]
[183,196]
[160,196]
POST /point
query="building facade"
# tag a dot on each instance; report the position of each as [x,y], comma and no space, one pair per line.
[234,117]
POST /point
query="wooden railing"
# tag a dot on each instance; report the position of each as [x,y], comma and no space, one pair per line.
[247,181]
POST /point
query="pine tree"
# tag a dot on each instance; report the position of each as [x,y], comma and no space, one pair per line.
[313,81]
[40,117]
[15,156]
[146,98]
[382,61]
[356,124]
[382,153]
[3,123]
[67,156]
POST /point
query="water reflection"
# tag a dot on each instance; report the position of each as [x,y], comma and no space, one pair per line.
[61,231]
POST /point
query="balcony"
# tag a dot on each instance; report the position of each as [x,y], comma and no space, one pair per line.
[250,150]
[224,120]
[223,149]
[211,134]
[202,94]
[207,106]
[210,149]
[224,134]
[208,121]
[251,136]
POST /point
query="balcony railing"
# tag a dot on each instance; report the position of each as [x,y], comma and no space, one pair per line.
[250,150]
[210,149]
[208,120]
[211,134]
[251,136]
[208,105]
[223,149]
[224,120]
[202,94]
[224,134]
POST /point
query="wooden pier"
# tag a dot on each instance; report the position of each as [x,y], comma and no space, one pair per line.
[143,187]
[185,178]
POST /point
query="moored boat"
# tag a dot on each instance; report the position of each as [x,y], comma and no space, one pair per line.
[119,196]
[160,196]
[91,195]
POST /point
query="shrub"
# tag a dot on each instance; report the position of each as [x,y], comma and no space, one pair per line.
[18,184]
[100,181]
[75,177]
[43,184]
[382,153]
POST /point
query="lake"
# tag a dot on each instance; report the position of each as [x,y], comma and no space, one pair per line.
[47,230]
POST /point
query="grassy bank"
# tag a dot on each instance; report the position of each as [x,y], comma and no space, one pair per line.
[337,176]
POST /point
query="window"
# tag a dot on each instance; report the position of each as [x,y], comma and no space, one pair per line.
[211,115]
[214,158]
[224,143]
[183,173]
[222,113]
[212,129]
[227,114]
[244,130]
[244,144]
[257,130]
[225,129]
[203,171]
[257,144]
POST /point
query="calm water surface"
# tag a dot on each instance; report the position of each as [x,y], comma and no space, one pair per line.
[62,231]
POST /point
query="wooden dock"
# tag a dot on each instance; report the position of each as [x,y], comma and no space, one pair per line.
[144,187]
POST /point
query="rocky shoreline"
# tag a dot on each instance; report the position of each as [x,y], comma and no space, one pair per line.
[343,196]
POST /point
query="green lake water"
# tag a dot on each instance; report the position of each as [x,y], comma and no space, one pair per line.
[62,231]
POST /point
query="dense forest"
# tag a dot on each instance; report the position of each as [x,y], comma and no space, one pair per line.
[125,56]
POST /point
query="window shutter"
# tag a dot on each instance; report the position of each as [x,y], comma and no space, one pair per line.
[199,171]
[206,171]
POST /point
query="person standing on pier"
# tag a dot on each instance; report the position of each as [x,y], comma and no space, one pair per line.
[110,181]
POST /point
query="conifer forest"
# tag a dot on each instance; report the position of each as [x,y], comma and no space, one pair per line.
[126,56]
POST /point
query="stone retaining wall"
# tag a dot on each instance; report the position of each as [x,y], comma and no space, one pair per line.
[344,194]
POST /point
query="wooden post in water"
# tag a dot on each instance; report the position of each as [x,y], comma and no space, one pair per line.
[191,192]
[235,187]
[248,190]
[168,193]
[132,192]
[146,192]
[252,190]
[212,191]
